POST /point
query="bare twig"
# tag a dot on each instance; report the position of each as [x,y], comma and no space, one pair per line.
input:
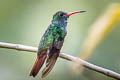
[64,56]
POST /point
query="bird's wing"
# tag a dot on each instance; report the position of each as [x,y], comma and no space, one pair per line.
[51,60]
[53,53]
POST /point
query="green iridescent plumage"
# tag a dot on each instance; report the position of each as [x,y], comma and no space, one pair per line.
[53,34]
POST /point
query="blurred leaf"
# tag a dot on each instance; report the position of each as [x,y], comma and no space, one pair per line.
[102,26]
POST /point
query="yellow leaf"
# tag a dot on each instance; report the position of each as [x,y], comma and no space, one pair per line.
[97,32]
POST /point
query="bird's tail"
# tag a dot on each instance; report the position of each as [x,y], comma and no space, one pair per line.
[51,60]
[38,63]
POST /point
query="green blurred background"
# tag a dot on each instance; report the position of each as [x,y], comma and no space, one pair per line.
[24,22]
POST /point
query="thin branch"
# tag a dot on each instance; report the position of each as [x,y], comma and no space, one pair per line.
[64,56]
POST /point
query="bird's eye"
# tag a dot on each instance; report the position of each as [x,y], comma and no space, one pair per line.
[61,14]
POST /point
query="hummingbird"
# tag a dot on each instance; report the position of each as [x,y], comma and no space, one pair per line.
[51,43]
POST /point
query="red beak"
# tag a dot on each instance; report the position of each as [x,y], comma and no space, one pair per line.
[71,13]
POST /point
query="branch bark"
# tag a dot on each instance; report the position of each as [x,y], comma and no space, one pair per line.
[90,66]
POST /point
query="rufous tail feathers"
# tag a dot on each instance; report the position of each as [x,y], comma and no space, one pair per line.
[38,64]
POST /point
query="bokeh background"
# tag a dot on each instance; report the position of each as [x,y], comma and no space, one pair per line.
[24,22]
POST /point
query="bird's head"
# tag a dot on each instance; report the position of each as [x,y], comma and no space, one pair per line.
[63,16]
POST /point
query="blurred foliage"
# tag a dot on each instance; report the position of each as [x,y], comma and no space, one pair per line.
[102,26]
[24,22]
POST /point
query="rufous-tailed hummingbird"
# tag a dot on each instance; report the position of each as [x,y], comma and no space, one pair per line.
[51,43]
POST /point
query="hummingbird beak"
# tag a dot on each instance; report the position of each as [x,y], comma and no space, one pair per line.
[71,13]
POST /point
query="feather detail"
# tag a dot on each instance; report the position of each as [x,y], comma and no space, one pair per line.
[38,63]
[51,60]
[49,65]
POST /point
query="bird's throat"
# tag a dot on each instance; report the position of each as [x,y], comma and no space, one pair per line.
[60,23]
